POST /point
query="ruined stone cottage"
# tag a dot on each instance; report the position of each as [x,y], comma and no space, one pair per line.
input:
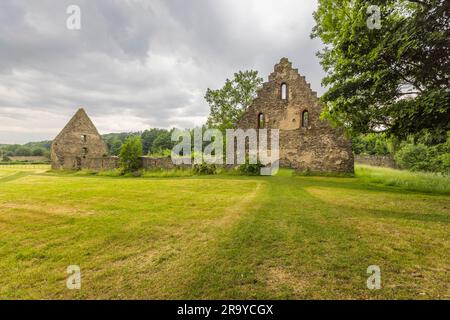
[286,102]
[79,145]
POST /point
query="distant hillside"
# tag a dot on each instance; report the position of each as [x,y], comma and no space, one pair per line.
[153,141]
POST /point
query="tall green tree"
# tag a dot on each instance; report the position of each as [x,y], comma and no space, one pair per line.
[228,103]
[23,151]
[130,154]
[115,146]
[394,79]
[162,141]
[37,152]
[150,136]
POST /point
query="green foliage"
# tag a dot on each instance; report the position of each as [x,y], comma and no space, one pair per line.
[115,146]
[204,169]
[420,157]
[162,141]
[148,139]
[372,144]
[114,141]
[394,79]
[229,103]
[161,153]
[406,180]
[249,169]
[41,148]
[37,152]
[23,152]
[153,141]
[412,157]
[130,154]
[41,144]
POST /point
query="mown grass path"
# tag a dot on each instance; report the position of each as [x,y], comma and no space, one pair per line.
[220,237]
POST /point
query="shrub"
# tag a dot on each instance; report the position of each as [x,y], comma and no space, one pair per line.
[420,157]
[204,168]
[6,158]
[372,143]
[249,169]
[413,157]
[130,154]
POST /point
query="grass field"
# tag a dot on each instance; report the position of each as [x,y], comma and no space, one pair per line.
[283,237]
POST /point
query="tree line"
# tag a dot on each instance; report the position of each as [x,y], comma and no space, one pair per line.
[35,149]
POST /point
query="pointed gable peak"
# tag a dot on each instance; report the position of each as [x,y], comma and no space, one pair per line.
[81,111]
[80,122]
[285,60]
[283,67]
[82,117]
[283,64]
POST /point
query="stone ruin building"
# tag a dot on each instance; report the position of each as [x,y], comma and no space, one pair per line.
[286,102]
[79,145]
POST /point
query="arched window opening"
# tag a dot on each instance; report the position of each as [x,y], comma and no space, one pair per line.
[305,119]
[284,91]
[261,121]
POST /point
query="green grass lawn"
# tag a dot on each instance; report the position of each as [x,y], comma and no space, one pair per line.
[213,237]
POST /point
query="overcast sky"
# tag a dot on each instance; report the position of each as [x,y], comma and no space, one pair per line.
[138,64]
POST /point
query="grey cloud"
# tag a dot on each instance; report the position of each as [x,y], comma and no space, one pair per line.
[138,64]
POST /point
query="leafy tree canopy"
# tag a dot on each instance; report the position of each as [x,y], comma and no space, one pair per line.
[163,141]
[130,154]
[395,79]
[228,103]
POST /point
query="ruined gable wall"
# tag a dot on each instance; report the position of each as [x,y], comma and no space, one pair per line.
[317,147]
[68,147]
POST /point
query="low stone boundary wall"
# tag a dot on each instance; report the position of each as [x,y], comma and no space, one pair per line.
[161,163]
[375,160]
[103,163]
[110,163]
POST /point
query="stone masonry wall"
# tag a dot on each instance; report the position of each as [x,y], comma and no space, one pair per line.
[375,160]
[315,146]
[161,163]
[78,142]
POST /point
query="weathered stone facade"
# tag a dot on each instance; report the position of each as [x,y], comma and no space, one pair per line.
[286,102]
[79,145]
